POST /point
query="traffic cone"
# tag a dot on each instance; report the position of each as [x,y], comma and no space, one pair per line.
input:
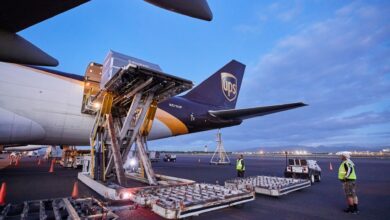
[51,170]
[2,194]
[75,191]
[330,166]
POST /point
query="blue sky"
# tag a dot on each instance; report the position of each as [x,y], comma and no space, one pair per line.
[332,55]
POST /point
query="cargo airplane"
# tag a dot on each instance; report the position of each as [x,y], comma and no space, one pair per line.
[42,106]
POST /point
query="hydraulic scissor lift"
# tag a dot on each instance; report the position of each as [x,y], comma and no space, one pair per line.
[125,110]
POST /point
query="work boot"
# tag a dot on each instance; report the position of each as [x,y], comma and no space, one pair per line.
[356,212]
[355,209]
[349,209]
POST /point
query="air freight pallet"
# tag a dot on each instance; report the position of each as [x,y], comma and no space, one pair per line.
[58,209]
[175,202]
[268,185]
[183,199]
[115,192]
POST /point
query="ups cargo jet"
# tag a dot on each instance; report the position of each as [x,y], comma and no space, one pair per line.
[43,106]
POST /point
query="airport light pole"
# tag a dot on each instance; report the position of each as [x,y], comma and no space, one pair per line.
[286,157]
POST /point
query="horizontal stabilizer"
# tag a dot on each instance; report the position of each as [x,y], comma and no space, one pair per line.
[254,112]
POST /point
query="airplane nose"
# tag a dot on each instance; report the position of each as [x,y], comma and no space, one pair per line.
[194,8]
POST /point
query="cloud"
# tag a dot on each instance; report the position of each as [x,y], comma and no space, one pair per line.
[247,29]
[355,121]
[286,11]
[281,13]
[339,66]
[290,13]
[335,66]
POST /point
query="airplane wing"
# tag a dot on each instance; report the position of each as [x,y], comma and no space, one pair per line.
[16,15]
[195,8]
[254,112]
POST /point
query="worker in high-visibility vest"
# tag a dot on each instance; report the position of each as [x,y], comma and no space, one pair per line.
[240,166]
[347,176]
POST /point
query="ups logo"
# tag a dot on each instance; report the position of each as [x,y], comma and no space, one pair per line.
[229,86]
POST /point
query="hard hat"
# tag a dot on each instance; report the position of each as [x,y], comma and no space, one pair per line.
[345,154]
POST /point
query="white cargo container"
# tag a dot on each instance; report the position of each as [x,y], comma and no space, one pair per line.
[114,61]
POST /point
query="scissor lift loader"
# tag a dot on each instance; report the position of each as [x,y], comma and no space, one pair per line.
[125,108]
[125,105]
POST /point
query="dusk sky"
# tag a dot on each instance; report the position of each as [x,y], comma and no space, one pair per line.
[332,55]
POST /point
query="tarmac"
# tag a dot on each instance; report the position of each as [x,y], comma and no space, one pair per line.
[324,200]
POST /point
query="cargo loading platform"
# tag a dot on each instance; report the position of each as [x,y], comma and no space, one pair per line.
[59,208]
[181,201]
[268,185]
[123,95]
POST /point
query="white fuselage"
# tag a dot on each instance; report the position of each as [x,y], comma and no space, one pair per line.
[39,107]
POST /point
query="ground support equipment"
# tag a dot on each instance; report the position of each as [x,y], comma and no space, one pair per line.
[61,208]
[115,192]
[127,104]
[181,201]
[268,185]
[220,156]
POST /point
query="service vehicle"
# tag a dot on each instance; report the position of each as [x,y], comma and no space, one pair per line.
[304,169]
[32,154]
[170,158]
[73,158]
[154,156]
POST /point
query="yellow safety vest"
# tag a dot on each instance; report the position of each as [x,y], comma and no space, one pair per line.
[343,172]
[239,165]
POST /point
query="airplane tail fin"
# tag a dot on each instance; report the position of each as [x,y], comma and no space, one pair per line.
[222,88]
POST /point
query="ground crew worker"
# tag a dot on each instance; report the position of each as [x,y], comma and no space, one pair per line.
[347,176]
[240,166]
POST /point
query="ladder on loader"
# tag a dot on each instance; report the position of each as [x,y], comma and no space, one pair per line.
[125,109]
